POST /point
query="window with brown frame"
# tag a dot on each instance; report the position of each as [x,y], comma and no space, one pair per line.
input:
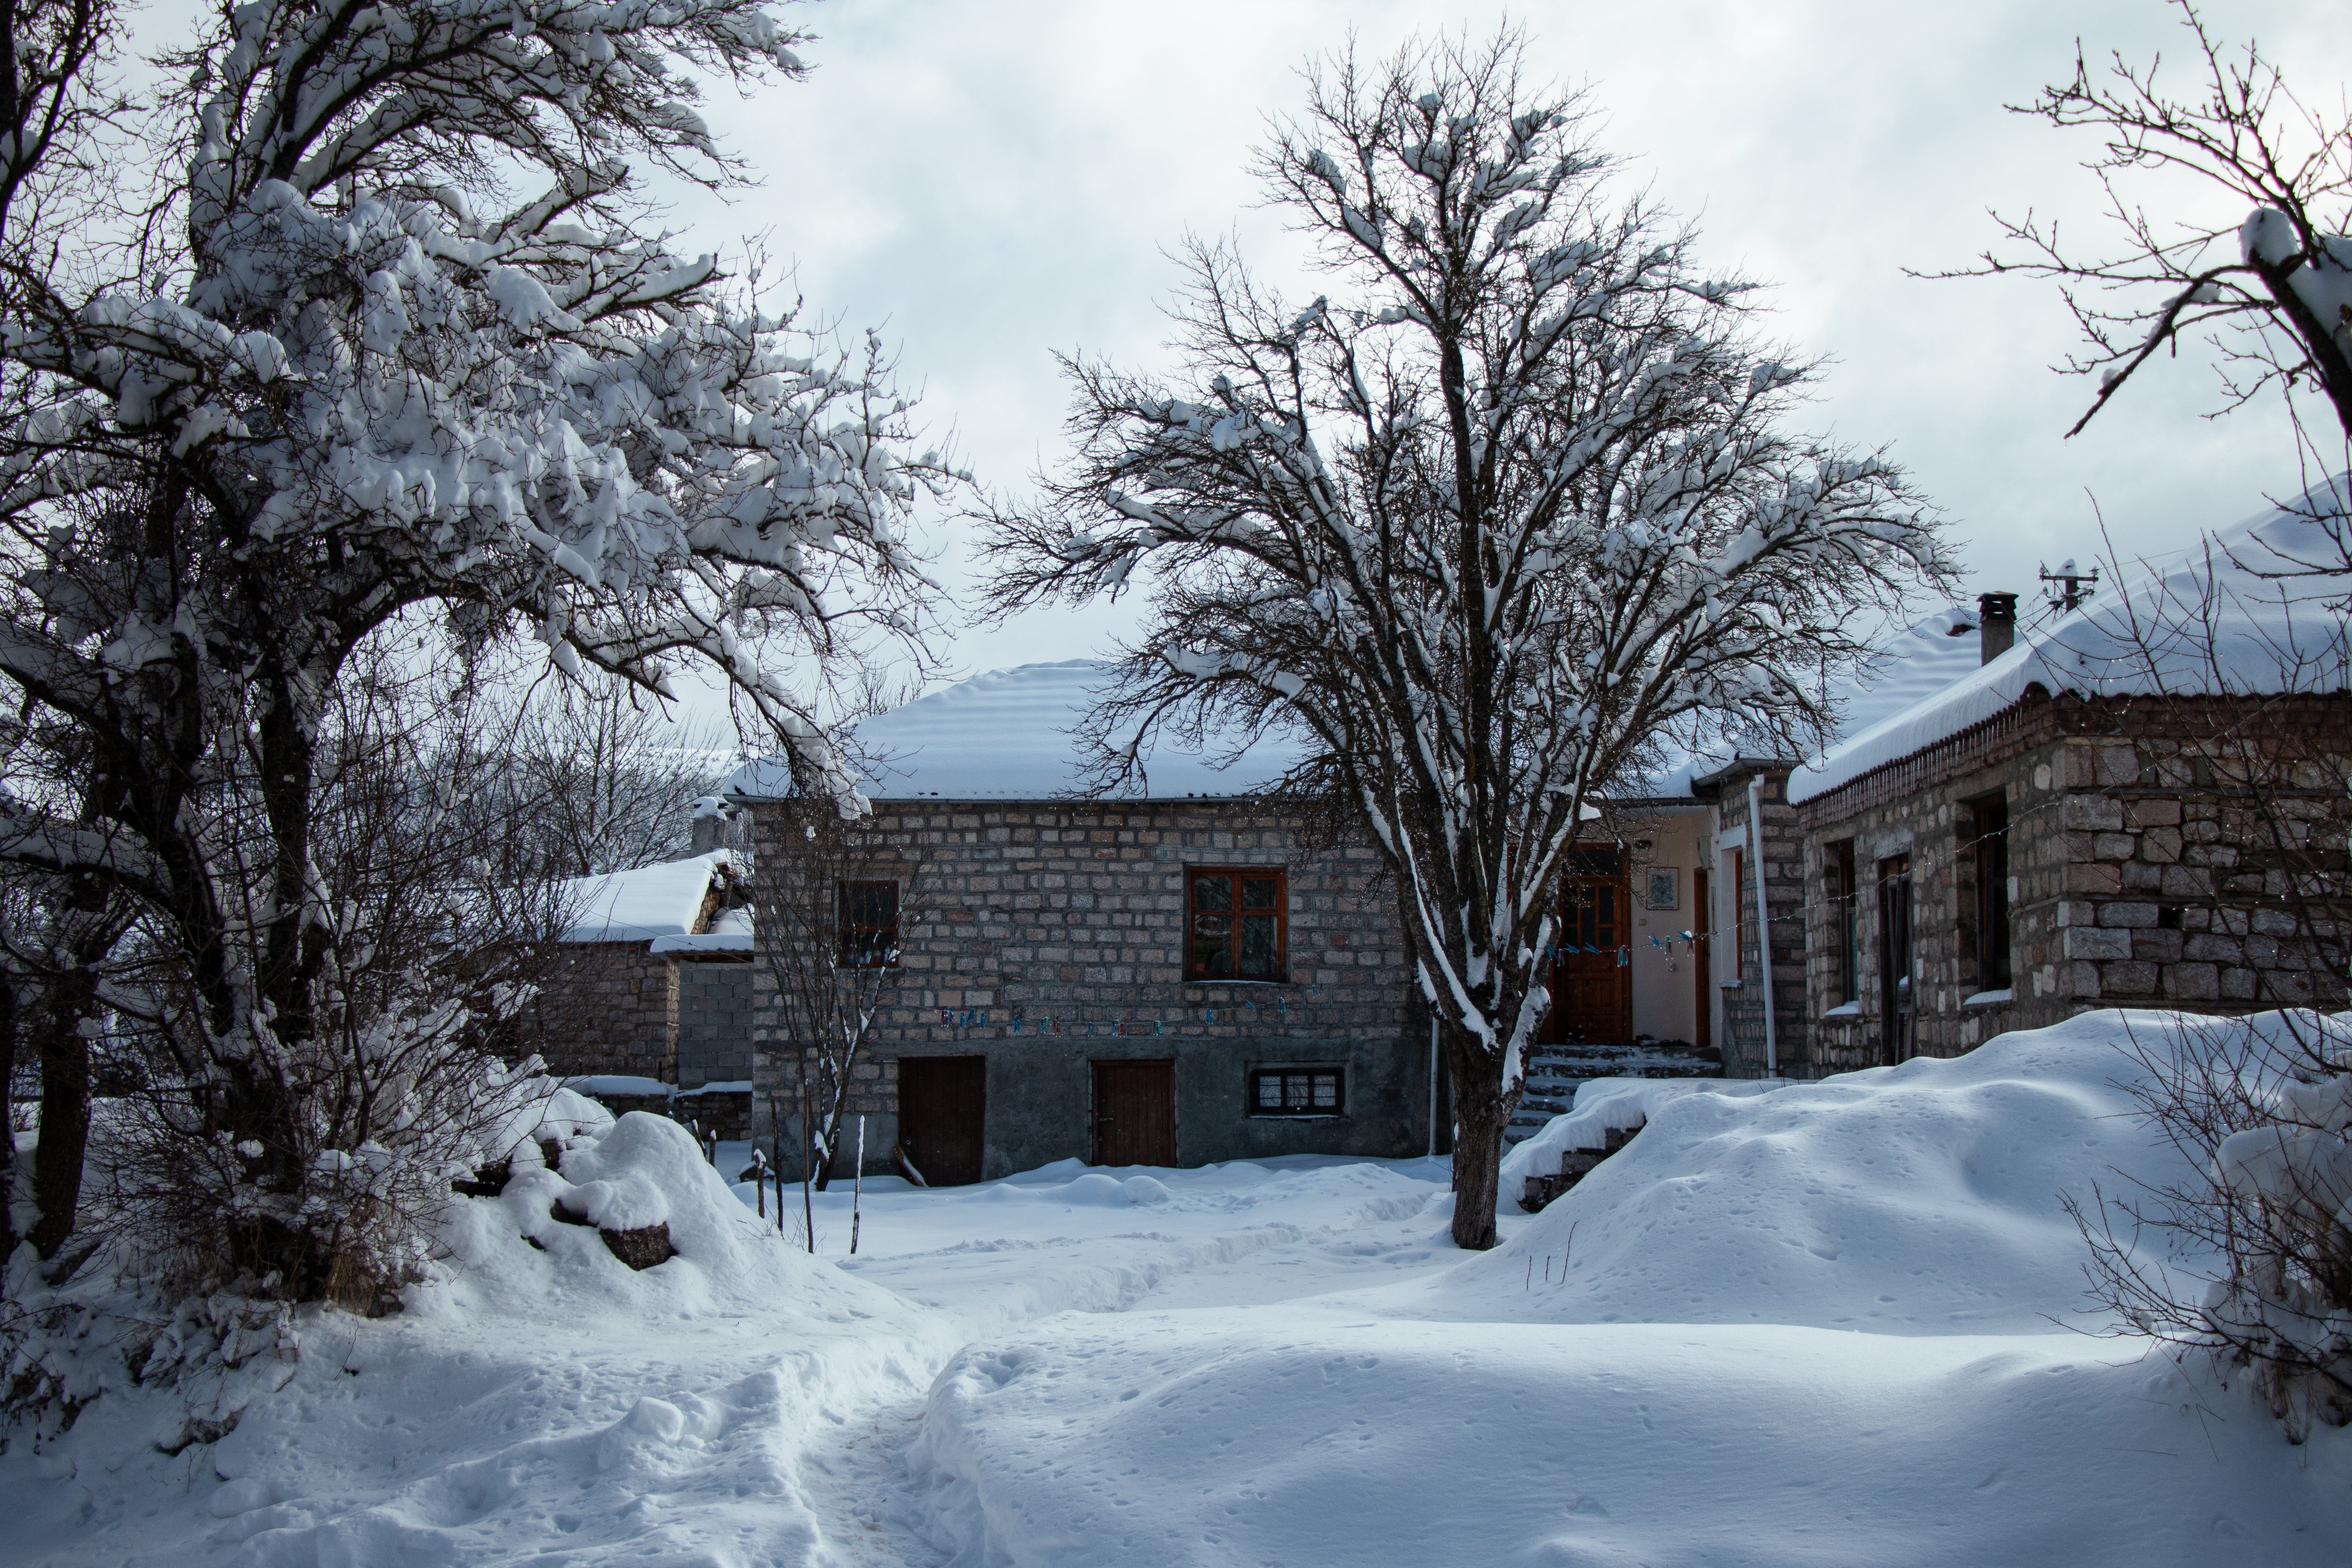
[866,914]
[1236,923]
[1298,1091]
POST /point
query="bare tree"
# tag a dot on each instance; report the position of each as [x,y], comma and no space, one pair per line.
[2226,672]
[612,775]
[445,920]
[1487,523]
[832,895]
[2267,285]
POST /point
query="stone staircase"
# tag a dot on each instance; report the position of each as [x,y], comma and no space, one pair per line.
[1554,1071]
[1575,1164]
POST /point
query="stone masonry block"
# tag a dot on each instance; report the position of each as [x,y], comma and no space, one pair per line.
[2127,914]
[2092,942]
[2152,813]
[2127,978]
[2092,813]
[2160,844]
[2193,982]
[2113,846]
[2205,947]
[2087,877]
[2117,765]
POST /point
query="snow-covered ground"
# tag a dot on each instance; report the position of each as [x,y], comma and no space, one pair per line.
[1834,1323]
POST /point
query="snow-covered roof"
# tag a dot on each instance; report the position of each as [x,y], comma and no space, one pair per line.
[1007,735]
[2206,621]
[663,900]
[731,931]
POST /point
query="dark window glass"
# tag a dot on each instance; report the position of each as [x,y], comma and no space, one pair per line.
[868,918]
[1296,1091]
[1235,929]
[1989,853]
[1846,927]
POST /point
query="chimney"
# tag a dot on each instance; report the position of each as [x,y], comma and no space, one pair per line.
[712,821]
[1996,625]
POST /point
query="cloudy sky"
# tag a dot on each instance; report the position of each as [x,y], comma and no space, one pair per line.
[991,182]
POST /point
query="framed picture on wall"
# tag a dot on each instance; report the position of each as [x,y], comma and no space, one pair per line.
[1665,891]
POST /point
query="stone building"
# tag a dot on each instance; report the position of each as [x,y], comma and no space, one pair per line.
[653,996]
[2142,802]
[1183,974]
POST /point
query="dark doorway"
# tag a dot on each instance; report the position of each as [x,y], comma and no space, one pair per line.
[943,1117]
[1135,1114]
[1701,960]
[1897,995]
[1591,997]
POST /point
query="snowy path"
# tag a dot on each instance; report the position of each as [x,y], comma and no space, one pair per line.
[680,1428]
[1807,1328]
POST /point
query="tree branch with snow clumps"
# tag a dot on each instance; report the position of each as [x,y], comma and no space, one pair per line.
[399,343]
[1509,505]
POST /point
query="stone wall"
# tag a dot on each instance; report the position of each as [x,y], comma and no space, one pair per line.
[1049,936]
[607,1007]
[714,1021]
[2177,853]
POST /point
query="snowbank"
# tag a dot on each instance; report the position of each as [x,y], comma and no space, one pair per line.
[1603,1104]
[539,1401]
[1917,1199]
[1322,1438]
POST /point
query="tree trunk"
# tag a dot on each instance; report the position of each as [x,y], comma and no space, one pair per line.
[1479,1115]
[65,1108]
[7,1120]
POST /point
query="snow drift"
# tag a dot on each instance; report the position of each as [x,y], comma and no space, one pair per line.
[1924,1199]
[1803,1326]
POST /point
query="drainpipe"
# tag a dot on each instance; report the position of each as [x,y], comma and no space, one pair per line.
[1763,921]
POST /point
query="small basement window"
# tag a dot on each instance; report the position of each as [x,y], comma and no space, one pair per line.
[1296,1091]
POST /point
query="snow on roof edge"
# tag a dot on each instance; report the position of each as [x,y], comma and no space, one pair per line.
[2127,641]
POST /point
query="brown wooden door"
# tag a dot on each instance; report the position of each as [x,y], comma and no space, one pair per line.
[1897,990]
[944,1116]
[1135,1114]
[1702,960]
[1592,999]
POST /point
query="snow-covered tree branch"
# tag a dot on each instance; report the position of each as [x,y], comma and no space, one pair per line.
[1493,519]
[400,342]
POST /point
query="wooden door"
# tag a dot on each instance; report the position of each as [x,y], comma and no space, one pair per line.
[1592,998]
[1897,991]
[1701,960]
[943,1117]
[1135,1114]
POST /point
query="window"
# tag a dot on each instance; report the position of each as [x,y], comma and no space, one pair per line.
[867,914]
[1845,926]
[1235,919]
[1989,860]
[1296,1091]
